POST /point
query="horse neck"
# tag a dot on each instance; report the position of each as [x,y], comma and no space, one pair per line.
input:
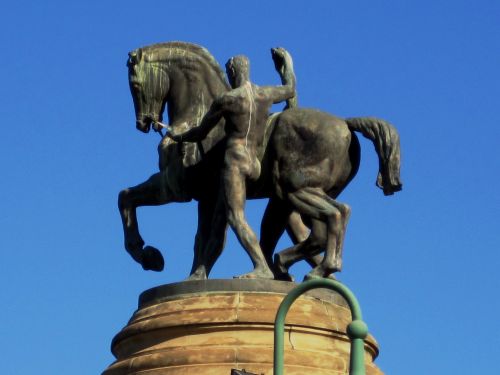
[186,101]
[189,99]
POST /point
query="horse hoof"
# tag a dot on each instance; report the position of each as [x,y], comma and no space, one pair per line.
[311,277]
[314,276]
[152,259]
[283,276]
[197,276]
[280,271]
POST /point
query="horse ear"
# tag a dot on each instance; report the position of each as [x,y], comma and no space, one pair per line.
[134,57]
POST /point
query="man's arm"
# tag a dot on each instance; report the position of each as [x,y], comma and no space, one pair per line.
[200,132]
[284,65]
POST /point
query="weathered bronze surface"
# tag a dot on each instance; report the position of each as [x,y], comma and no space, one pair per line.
[245,110]
[225,149]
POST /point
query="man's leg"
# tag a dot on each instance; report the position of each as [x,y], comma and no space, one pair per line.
[235,196]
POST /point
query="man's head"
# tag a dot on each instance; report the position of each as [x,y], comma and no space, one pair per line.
[238,70]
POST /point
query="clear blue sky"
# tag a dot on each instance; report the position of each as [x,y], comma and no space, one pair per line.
[423,263]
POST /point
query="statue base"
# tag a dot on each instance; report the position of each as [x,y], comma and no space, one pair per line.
[209,327]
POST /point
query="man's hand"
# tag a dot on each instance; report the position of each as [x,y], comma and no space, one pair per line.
[284,65]
[282,59]
[182,127]
[174,137]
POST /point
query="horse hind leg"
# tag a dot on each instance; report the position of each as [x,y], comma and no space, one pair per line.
[315,203]
[306,249]
[336,228]
[345,214]
[296,229]
[298,232]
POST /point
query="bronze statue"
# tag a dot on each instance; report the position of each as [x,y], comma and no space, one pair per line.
[307,158]
[245,110]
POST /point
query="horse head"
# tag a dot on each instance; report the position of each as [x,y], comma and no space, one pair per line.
[149,86]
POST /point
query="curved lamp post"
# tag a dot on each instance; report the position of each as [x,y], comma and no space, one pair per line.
[356,330]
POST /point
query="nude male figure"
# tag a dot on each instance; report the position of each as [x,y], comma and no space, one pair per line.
[245,109]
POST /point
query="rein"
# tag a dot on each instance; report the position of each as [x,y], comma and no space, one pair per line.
[161,126]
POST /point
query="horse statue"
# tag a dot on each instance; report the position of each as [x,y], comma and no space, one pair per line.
[301,185]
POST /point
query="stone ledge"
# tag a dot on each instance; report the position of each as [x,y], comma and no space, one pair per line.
[167,292]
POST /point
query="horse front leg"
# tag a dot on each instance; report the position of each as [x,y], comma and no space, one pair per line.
[149,193]
[278,217]
[210,237]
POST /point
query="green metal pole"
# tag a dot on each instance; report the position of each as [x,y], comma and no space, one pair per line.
[356,330]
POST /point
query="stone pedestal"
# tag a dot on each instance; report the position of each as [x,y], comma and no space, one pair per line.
[209,327]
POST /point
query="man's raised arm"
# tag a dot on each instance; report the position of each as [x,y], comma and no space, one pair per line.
[284,66]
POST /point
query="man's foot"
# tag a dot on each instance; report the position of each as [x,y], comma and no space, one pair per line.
[152,259]
[257,274]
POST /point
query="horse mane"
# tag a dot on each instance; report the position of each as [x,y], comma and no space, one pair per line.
[185,52]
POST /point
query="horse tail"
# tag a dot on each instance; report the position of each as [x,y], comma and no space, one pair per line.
[386,141]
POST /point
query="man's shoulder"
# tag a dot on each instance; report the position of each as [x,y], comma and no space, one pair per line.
[231,97]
